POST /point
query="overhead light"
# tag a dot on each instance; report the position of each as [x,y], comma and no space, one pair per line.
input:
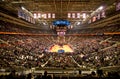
[35,15]
[78,23]
[23,8]
[84,15]
[44,23]
[100,8]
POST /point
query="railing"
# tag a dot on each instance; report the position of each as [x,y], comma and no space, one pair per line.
[31,34]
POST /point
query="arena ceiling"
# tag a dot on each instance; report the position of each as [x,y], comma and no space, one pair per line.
[59,7]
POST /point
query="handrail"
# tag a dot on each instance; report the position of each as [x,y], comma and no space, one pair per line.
[30,34]
[15,33]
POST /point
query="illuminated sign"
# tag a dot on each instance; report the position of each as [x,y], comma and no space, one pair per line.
[61,22]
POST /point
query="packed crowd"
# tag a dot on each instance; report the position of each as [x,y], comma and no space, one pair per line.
[61,60]
[23,51]
[97,51]
[33,51]
[26,51]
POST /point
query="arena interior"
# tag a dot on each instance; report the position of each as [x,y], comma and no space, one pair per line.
[59,39]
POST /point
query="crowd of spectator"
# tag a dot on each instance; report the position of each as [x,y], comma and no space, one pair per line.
[97,51]
[22,52]
[19,51]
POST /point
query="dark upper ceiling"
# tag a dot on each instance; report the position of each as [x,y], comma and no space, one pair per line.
[59,7]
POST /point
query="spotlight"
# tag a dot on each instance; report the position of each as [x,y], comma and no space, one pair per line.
[100,8]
